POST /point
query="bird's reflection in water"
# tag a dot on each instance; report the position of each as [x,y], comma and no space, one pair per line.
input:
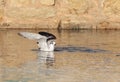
[46,58]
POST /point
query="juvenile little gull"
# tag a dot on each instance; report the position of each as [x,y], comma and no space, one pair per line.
[45,40]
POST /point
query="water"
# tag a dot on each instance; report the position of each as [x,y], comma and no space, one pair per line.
[80,56]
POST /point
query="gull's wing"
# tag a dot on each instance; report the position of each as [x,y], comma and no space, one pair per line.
[32,36]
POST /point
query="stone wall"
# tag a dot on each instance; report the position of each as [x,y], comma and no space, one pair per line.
[62,14]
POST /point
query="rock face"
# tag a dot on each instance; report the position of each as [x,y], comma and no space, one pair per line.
[47,2]
[63,14]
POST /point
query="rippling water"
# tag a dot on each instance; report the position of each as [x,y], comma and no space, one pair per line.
[79,56]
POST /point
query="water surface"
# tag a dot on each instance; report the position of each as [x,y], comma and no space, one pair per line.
[79,56]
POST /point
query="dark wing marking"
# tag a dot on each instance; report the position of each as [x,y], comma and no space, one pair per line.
[48,35]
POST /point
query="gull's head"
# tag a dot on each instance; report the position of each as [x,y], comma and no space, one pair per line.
[52,43]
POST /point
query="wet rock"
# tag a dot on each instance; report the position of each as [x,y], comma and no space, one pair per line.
[75,23]
[103,25]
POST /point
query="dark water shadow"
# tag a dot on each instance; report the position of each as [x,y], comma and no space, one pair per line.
[118,55]
[79,49]
[84,49]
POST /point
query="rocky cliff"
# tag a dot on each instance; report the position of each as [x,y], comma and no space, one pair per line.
[62,14]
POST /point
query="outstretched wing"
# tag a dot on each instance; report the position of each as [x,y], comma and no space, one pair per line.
[32,36]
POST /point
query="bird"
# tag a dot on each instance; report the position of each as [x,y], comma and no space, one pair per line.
[45,40]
